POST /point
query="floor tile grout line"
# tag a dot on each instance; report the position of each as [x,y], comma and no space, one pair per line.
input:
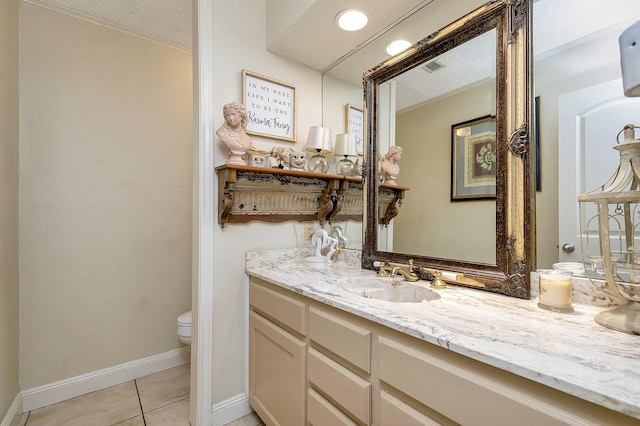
[144,420]
[167,404]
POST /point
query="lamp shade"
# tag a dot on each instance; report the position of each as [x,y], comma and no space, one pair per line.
[319,139]
[345,145]
[630,59]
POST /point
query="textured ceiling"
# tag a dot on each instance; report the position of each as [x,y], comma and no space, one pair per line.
[587,28]
[465,65]
[556,22]
[165,20]
[558,26]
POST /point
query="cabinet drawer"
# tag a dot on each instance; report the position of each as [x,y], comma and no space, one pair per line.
[395,412]
[346,340]
[442,386]
[281,308]
[348,390]
[321,412]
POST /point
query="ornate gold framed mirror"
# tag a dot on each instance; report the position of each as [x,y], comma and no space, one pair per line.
[494,249]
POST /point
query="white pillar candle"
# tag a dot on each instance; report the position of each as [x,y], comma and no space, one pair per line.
[555,290]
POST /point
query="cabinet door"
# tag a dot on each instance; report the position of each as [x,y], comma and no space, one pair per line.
[277,382]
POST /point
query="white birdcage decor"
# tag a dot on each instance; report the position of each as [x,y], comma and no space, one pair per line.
[610,236]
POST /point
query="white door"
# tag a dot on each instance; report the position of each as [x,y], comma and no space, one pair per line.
[589,120]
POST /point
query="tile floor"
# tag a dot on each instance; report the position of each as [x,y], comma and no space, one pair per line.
[160,399]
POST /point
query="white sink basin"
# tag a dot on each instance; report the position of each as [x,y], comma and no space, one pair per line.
[390,290]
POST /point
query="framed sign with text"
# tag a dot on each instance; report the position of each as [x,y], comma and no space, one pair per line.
[354,123]
[271,106]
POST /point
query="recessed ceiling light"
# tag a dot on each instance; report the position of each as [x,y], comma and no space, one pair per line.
[352,19]
[398,46]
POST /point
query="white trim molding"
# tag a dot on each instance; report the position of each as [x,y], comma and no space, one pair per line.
[200,412]
[14,410]
[229,410]
[79,385]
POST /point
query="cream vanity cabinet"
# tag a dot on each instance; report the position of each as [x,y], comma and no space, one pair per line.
[313,364]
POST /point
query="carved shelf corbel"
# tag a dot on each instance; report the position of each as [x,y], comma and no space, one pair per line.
[247,193]
[390,199]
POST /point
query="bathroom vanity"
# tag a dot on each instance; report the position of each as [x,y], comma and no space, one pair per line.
[326,350]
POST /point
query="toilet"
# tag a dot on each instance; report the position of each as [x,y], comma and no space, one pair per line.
[184,328]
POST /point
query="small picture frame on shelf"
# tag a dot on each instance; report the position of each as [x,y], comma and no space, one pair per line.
[271,106]
[257,160]
[354,123]
[473,159]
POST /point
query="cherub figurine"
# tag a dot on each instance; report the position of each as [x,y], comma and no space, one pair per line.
[297,159]
[279,158]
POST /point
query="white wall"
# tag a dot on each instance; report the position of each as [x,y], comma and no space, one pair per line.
[239,43]
[549,87]
[105,196]
[8,204]
[335,95]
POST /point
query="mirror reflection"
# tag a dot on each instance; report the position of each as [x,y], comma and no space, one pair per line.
[488,153]
[575,48]
[425,104]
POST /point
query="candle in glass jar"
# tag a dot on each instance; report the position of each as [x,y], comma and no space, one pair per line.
[555,290]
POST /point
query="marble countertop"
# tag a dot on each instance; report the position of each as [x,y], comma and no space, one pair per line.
[566,351]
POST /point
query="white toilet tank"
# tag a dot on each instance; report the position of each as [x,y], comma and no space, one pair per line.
[184,328]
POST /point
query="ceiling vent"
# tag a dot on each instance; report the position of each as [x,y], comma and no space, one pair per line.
[432,66]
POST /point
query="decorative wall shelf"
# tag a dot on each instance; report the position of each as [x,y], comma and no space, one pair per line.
[247,193]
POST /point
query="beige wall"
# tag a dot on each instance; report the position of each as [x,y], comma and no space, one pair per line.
[239,43]
[106,178]
[456,230]
[8,203]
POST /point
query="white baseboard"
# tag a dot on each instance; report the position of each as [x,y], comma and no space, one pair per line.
[100,379]
[231,409]
[14,409]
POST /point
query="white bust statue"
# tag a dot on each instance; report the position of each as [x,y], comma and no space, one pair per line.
[232,133]
[389,167]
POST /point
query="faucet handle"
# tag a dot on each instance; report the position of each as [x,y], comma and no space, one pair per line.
[382,269]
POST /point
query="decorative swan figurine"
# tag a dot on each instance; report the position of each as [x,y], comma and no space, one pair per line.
[332,243]
[318,241]
[321,241]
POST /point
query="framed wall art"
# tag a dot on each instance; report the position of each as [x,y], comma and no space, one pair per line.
[473,159]
[271,106]
[354,123]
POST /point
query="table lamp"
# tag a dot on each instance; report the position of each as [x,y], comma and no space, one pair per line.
[319,141]
[345,146]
